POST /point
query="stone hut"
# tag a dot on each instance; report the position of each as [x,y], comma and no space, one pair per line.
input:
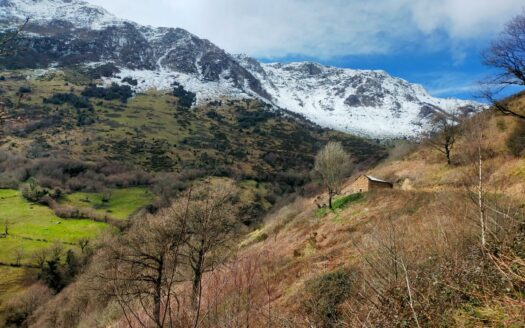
[366,183]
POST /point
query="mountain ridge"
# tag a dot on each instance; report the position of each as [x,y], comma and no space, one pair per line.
[365,102]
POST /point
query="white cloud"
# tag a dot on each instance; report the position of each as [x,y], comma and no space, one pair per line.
[323,28]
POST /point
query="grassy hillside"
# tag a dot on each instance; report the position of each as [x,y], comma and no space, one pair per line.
[115,203]
[389,258]
[31,228]
[406,257]
[93,157]
[157,132]
[66,135]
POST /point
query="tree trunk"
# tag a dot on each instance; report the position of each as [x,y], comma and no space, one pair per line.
[197,278]
[330,200]
[198,269]
[447,152]
[480,198]
[157,297]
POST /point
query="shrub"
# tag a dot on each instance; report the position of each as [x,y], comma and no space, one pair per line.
[106,196]
[71,98]
[20,308]
[516,142]
[106,70]
[324,295]
[32,191]
[131,81]
[115,91]
[346,200]
[24,90]
[186,98]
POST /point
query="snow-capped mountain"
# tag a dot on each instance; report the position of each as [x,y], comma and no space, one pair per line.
[366,102]
[80,13]
[76,32]
[70,32]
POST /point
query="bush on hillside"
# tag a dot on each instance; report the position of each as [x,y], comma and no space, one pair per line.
[131,81]
[33,192]
[324,296]
[22,306]
[24,90]
[516,142]
[106,70]
[186,98]
[70,98]
[114,92]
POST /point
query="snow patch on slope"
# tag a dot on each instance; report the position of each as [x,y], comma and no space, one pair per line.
[163,80]
[80,13]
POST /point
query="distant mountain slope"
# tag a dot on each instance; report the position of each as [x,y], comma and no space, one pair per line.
[366,102]
[369,103]
[59,118]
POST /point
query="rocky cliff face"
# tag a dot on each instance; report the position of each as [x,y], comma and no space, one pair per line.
[370,103]
[73,32]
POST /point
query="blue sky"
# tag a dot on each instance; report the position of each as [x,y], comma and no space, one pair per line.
[439,71]
[436,43]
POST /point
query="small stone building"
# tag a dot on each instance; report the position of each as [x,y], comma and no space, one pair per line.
[366,183]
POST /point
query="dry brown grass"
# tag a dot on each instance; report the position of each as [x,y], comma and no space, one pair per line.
[415,251]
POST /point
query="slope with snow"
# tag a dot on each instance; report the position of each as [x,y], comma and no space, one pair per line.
[365,102]
[369,103]
[80,13]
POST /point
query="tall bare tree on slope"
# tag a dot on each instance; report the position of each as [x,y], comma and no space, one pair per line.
[332,162]
[444,133]
[507,55]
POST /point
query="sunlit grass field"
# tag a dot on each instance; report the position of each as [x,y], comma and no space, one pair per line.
[120,205]
[32,226]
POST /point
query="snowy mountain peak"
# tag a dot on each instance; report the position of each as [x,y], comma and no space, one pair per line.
[80,14]
[366,102]
[73,32]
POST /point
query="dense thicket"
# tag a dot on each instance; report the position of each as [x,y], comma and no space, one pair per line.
[113,92]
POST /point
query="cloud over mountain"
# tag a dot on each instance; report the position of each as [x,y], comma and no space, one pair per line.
[324,28]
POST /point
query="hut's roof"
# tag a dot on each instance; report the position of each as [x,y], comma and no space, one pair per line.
[376,179]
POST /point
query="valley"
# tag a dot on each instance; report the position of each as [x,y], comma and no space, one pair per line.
[110,159]
[150,178]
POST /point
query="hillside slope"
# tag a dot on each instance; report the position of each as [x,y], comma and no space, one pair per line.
[59,116]
[406,257]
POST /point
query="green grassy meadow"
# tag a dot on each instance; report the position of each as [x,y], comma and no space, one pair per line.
[121,204]
[32,226]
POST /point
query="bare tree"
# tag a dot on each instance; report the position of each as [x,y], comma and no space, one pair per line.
[40,256]
[332,163]
[211,226]
[83,244]
[56,250]
[145,264]
[18,254]
[477,177]
[507,55]
[444,133]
